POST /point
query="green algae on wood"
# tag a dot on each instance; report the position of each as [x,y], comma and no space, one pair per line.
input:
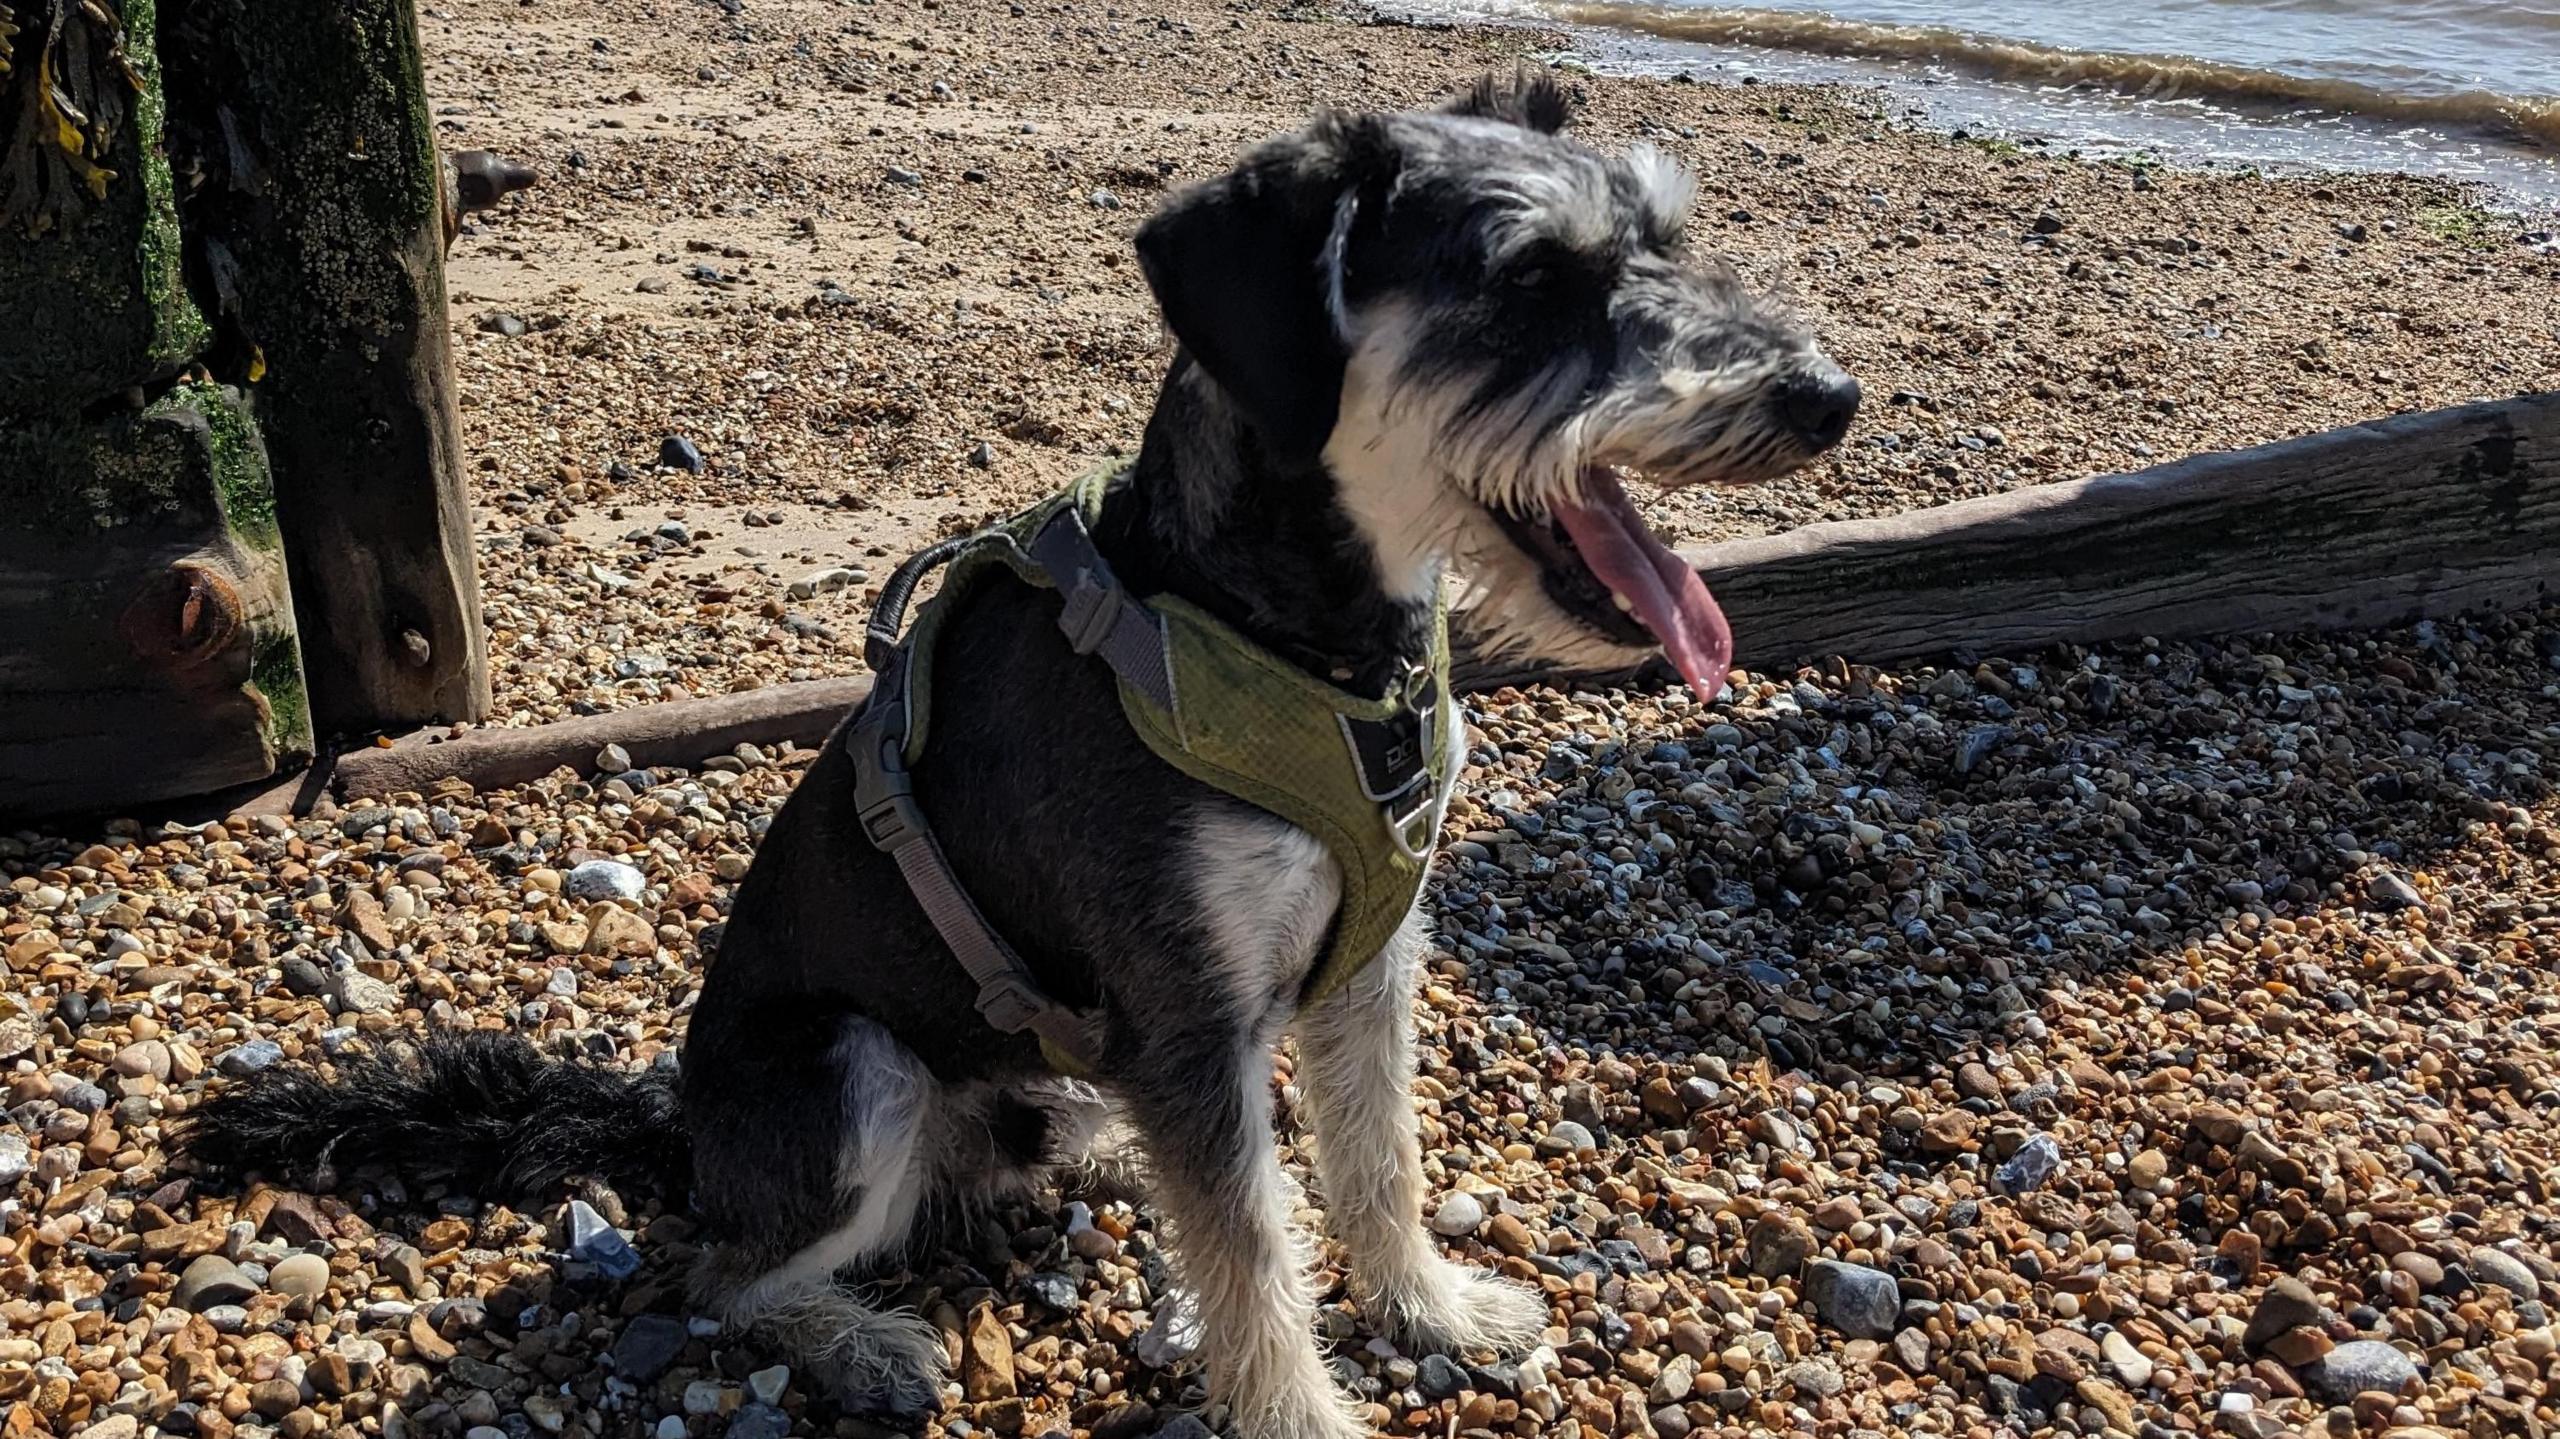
[332,273]
[90,296]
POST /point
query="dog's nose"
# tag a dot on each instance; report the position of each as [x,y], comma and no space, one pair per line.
[1817,404]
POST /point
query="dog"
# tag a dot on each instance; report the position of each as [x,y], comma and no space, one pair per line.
[1407,345]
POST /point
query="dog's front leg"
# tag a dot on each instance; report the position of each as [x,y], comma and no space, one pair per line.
[1215,1174]
[1356,1067]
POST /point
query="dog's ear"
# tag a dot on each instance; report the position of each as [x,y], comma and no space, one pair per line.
[1530,99]
[1247,270]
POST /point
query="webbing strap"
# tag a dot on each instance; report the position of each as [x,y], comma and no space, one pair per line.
[1101,618]
[884,794]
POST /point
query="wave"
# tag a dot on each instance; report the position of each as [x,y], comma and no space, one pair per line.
[2150,77]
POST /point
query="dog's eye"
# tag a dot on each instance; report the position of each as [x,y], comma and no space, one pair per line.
[1534,277]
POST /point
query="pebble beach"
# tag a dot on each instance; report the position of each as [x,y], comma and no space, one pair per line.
[2133,1041]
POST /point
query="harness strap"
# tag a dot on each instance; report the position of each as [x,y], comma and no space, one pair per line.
[1100,617]
[884,795]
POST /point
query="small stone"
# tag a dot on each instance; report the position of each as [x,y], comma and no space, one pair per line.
[1975,1081]
[613,759]
[986,1357]
[1440,1377]
[1511,1236]
[244,1060]
[1672,1385]
[1459,1214]
[1860,1302]
[1949,1131]
[360,993]
[300,1276]
[1836,1213]
[2297,1347]
[825,582]
[2287,1304]
[1053,1291]
[2047,223]
[1814,1377]
[143,1057]
[2390,892]
[209,1280]
[275,1398]
[596,1241]
[2130,1365]
[767,1386]
[675,452]
[2147,1169]
[1777,1246]
[2423,1268]
[2498,1267]
[16,1158]
[603,879]
[1565,1139]
[611,930]
[2361,1366]
[303,979]
[648,1346]
[758,1421]
[2036,1161]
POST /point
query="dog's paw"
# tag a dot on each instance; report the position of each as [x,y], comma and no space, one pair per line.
[891,1365]
[1453,1308]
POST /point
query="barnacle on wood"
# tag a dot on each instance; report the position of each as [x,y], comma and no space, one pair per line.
[66,90]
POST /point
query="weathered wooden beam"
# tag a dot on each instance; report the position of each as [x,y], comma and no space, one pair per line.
[321,227]
[90,296]
[2426,514]
[146,641]
[683,732]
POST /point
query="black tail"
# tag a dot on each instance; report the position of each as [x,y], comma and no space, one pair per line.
[481,1109]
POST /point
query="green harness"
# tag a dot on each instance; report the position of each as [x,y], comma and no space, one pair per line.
[1364,776]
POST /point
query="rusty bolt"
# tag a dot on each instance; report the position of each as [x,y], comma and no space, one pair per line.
[182,616]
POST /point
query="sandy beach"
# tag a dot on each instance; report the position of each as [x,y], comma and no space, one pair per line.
[2135,1041]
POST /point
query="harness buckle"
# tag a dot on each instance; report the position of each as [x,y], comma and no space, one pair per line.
[1009,1003]
[884,796]
[887,798]
[1092,612]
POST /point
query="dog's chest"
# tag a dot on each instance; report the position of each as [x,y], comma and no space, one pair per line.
[1266,891]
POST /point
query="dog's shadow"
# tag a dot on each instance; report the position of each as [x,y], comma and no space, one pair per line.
[1872,881]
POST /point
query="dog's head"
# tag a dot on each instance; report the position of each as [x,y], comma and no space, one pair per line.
[1480,326]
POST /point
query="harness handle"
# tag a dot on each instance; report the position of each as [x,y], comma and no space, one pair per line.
[889,616]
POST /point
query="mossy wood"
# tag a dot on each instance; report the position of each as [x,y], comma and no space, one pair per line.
[321,223]
[2421,515]
[91,302]
[146,635]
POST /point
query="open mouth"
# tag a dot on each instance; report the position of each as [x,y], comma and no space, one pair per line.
[1600,564]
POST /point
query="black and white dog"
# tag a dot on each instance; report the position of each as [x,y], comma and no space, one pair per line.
[1407,343]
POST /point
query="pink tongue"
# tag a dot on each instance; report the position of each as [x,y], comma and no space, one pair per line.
[1668,596]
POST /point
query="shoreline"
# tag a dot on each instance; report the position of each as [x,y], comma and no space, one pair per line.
[2160,110]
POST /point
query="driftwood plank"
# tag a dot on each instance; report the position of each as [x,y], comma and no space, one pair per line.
[684,732]
[2426,514]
